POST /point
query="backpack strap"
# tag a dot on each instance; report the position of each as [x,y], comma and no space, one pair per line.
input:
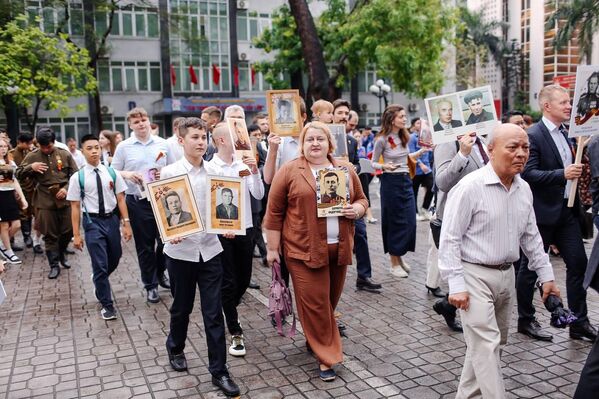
[81,177]
[112,174]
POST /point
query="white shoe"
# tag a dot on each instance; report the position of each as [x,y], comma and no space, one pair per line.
[419,218]
[373,220]
[404,265]
[237,347]
[398,271]
[425,214]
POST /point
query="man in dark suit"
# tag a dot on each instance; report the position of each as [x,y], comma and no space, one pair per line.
[550,171]
[474,101]
[177,214]
[445,111]
[227,210]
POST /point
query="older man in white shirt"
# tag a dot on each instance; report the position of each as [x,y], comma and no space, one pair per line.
[489,216]
[194,261]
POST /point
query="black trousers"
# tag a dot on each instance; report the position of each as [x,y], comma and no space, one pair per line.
[363,264]
[207,276]
[237,259]
[425,181]
[258,238]
[148,244]
[588,386]
[567,236]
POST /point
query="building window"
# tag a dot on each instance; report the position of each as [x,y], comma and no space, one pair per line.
[116,123]
[52,17]
[129,76]
[251,24]
[245,79]
[130,21]
[64,128]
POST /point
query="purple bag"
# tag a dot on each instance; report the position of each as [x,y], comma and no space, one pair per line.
[280,304]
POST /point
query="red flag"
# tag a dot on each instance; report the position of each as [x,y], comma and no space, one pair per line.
[236,76]
[253,75]
[215,74]
[192,75]
[173,75]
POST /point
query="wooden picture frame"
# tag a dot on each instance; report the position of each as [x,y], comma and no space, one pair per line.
[175,207]
[225,204]
[284,112]
[332,191]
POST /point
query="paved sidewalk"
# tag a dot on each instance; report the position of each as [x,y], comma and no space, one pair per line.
[53,343]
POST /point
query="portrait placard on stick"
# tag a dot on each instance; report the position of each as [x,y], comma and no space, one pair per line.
[584,120]
[226,205]
[284,114]
[175,208]
[340,140]
[332,191]
[240,138]
[463,112]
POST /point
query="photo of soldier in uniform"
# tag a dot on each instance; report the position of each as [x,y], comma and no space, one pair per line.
[225,205]
[476,111]
[284,114]
[584,120]
[332,191]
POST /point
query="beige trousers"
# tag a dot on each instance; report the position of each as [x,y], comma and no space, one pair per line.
[486,324]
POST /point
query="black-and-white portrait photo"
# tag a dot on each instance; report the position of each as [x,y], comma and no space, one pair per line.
[174,206]
[476,103]
[226,209]
[444,109]
[589,99]
[284,110]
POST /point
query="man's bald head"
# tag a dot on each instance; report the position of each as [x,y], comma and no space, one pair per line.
[221,135]
[503,130]
[509,150]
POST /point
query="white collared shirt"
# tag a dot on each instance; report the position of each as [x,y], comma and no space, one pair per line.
[175,150]
[91,200]
[199,244]
[288,151]
[253,183]
[563,148]
[135,156]
[79,158]
[486,224]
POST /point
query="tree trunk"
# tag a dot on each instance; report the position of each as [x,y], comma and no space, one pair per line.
[312,50]
[93,99]
[12,117]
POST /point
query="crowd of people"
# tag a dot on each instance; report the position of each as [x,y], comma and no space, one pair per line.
[495,206]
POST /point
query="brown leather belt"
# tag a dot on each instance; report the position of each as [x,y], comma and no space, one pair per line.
[503,266]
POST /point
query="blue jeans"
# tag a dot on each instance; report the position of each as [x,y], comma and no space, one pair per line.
[361,248]
[103,240]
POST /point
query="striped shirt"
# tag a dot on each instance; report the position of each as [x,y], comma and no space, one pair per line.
[396,153]
[487,224]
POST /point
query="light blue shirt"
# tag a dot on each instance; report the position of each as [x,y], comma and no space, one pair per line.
[562,147]
[134,156]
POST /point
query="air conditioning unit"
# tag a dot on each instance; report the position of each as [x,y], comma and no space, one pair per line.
[106,110]
[413,107]
[243,4]
[243,56]
[364,107]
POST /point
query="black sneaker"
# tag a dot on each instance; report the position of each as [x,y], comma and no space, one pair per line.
[108,314]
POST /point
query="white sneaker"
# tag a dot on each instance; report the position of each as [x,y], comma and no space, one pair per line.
[404,265]
[397,271]
[419,218]
[237,347]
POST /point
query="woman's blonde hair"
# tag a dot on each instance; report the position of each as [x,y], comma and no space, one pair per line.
[318,126]
[7,156]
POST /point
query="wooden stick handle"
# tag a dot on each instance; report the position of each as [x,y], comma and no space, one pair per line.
[574,186]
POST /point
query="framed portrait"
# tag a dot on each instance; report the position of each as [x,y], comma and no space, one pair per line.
[450,116]
[584,120]
[284,114]
[332,191]
[240,137]
[226,205]
[148,176]
[175,207]
[340,140]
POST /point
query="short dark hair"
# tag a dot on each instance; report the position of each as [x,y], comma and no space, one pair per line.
[253,127]
[259,116]
[88,137]
[472,95]
[190,123]
[25,137]
[45,135]
[284,103]
[171,193]
[341,103]
[414,120]
[228,190]
[213,111]
[506,117]
[329,174]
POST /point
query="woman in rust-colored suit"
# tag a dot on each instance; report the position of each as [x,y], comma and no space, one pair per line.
[317,250]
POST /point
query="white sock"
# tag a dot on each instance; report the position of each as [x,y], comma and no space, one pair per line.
[9,252]
[36,240]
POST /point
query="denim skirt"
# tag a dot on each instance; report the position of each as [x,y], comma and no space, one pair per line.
[398,213]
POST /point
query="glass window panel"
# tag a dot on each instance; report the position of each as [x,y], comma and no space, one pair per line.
[127,24]
[213,28]
[244,81]
[82,129]
[117,79]
[223,8]
[116,24]
[48,15]
[142,79]
[120,127]
[214,47]
[224,32]
[225,79]
[203,8]
[77,22]
[130,79]
[253,28]
[205,79]
[213,9]
[69,131]
[104,77]
[155,79]
[140,25]
[153,26]
[101,22]
[242,30]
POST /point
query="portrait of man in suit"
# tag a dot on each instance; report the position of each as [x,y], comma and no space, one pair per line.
[177,215]
[284,112]
[445,113]
[227,210]
[474,101]
[331,184]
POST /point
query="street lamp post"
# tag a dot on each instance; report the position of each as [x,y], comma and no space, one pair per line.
[380,89]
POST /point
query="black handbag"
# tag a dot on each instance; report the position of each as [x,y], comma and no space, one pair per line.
[436,230]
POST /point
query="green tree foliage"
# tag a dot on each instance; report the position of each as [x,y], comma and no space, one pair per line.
[39,69]
[477,41]
[404,39]
[578,18]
